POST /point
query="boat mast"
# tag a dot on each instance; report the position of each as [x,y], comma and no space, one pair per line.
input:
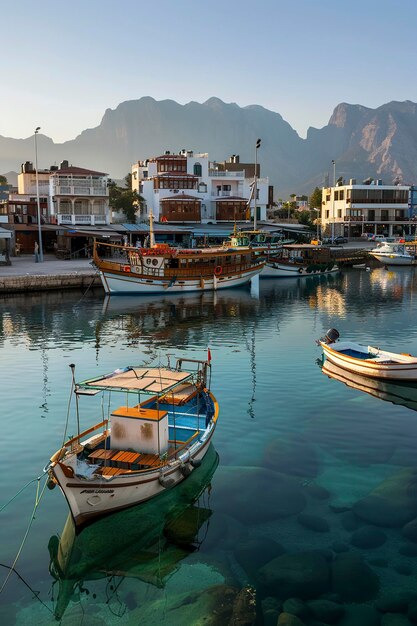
[151,233]
[255,183]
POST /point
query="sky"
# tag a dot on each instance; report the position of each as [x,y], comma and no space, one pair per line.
[64,64]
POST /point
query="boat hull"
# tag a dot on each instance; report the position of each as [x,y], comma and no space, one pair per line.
[285,270]
[130,284]
[391,259]
[93,498]
[393,371]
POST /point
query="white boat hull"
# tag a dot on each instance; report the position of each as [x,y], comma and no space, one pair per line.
[131,284]
[384,365]
[285,270]
[392,259]
[90,498]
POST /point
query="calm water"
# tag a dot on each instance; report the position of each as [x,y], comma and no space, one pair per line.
[296,451]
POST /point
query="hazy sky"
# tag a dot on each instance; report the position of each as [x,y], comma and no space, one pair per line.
[63,64]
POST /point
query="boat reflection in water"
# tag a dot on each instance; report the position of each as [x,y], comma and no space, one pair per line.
[146,542]
[404,393]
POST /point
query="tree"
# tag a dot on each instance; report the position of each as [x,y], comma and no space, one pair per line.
[315,199]
[125,199]
[3,180]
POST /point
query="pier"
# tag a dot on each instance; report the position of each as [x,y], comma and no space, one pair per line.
[26,275]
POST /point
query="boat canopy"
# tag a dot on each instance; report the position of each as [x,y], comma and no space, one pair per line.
[134,379]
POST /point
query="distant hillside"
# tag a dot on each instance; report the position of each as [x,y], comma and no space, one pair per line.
[381,142]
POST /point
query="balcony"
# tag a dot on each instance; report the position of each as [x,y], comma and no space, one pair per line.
[226,174]
[61,190]
[70,219]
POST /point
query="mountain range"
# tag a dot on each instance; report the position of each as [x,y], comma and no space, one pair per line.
[380,143]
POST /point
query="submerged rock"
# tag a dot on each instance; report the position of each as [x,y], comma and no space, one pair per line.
[252,554]
[395,619]
[368,537]
[350,522]
[360,615]
[313,522]
[303,575]
[295,456]
[395,600]
[326,610]
[254,495]
[318,492]
[393,503]
[244,608]
[212,606]
[353,579]
[287,619]
[410,531]
[297,607]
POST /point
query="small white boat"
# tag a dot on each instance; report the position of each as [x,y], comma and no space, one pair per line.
[393,253]
[368,360]
[154,442]
[397,392]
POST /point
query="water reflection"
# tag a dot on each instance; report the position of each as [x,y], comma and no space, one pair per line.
[146,542]
[396,392]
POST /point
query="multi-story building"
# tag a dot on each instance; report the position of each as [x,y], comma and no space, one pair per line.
[187,187]
[79,196]
[352,210]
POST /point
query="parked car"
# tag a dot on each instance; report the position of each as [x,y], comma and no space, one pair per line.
[335,241]
[377,238]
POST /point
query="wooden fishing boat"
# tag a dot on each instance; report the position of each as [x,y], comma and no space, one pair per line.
[161,268]
[139,542]
[397,392]
[300,260]
[368,360]
[139,450]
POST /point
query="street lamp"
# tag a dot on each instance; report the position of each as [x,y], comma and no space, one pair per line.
[334,190]
[255,182]
[37,129]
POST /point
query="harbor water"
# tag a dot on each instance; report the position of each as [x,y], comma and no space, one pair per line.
[308,494]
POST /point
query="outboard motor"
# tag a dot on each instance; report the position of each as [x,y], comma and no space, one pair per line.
[331,336]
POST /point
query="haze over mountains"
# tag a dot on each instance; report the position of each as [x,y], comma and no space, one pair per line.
[381,142]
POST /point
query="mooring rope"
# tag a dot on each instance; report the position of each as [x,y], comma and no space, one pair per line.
[38,498]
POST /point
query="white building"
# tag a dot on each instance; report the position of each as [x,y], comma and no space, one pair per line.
[351,210]
[187,187]
[79,196]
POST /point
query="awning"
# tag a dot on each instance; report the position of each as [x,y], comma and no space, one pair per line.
[5,234]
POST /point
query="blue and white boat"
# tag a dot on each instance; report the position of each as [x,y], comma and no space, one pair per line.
[138,450]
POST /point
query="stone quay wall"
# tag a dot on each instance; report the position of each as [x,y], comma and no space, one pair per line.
[22,284]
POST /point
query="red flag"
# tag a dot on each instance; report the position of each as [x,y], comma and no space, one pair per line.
[208,355]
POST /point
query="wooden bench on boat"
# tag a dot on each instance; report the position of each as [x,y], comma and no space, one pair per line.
[182,394]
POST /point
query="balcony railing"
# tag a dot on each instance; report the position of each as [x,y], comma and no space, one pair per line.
[226,174]
[74,219]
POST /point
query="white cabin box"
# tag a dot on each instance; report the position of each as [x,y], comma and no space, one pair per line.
[139,429]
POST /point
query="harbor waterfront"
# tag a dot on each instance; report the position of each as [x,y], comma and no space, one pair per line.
[308,491]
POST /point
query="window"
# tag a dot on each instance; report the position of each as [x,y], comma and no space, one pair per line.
[197,169]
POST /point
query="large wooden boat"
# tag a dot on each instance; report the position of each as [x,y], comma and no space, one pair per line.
[141,449]
[368,360]
[295,260]
[161,268]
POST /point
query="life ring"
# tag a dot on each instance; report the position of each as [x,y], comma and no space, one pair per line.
[300,271]
[218,270]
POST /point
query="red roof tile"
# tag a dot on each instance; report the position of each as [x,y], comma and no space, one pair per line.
[78,171]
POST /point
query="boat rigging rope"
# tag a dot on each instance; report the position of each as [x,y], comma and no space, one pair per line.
[68,413]
[38,498]
[35,593]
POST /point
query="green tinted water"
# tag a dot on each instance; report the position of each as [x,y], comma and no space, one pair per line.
[296,449]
